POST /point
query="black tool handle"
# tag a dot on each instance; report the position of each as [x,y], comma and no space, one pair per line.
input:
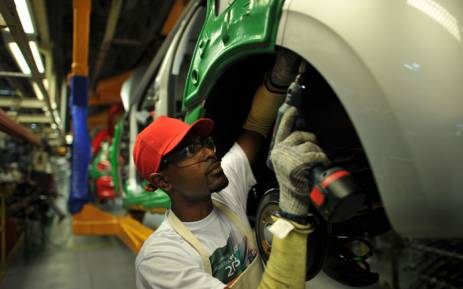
[293,99]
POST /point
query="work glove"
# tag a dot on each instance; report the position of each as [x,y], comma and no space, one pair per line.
[293,155]
[269,97]
[283,71]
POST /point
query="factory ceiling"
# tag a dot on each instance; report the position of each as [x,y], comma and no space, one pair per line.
[124,34]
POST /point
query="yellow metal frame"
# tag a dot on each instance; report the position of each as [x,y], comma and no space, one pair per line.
[93,221]
[80,37]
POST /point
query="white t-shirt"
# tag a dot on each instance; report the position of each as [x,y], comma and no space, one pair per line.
[166,260]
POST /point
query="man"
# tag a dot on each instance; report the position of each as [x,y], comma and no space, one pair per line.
[205,240]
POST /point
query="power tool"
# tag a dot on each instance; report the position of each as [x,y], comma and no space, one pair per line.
[336,199]
[332,190]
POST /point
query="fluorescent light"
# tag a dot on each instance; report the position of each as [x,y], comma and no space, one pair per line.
[36,54]
[38,92]
[25,16]
[53,105]
[18,56]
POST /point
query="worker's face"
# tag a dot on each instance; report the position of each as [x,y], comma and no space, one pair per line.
[193,170]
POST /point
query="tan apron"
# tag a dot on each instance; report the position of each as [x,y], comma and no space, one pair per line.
[251,276]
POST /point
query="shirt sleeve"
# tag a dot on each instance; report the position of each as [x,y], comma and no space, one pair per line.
[240,177]
[166,270]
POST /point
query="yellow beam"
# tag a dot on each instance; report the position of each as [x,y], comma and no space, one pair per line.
[92,221]
[80,37]
[133,233]
[173,16]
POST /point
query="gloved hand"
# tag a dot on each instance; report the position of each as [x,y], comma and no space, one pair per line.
[293,154]
[283,72]
[271,95]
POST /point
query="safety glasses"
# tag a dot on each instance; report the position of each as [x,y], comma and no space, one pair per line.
[189,154]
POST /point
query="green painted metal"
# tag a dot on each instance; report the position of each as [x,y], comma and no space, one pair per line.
[95,173]
[195,114]
[244,28]
[147,200]
[114,154]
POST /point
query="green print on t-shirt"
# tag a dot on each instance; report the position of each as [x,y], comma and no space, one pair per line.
[230,260]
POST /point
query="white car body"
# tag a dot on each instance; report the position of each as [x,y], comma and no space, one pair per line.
[166,91]
[397,68]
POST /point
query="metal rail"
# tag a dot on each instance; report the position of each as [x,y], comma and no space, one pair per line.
[8,11]
[14,74]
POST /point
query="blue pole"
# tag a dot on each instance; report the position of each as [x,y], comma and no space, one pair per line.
[81,149]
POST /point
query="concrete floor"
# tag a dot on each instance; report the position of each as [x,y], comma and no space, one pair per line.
[72,262]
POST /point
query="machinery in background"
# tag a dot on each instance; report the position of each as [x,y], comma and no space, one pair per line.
[100,175]
[28,193]
[436,263]
[102,181]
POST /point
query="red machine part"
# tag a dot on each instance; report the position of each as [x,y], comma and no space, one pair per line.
[105,188]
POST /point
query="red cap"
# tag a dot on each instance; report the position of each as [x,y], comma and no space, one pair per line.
[161,137]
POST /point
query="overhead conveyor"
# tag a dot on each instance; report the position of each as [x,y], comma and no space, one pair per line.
[87,218]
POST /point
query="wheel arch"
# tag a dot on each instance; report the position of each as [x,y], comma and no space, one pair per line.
[364,99]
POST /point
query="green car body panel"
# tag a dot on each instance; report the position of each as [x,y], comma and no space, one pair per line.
[114,153]
[146,200]
[95,173]
[244,28]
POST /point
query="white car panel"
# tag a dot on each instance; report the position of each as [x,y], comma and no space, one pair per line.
[397,67]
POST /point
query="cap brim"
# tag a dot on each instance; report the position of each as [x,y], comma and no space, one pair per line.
[202,127]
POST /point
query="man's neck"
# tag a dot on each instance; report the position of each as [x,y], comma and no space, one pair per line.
[188,211]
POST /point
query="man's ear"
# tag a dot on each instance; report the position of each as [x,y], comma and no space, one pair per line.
[160,181]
